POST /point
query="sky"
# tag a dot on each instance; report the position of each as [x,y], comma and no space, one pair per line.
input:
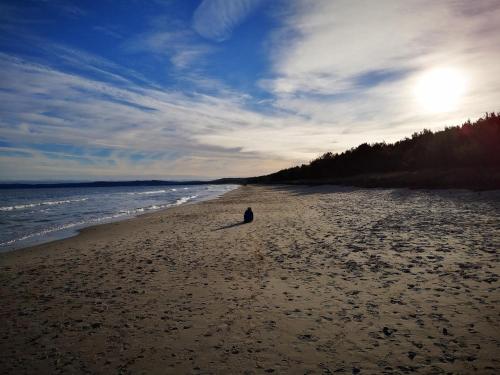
[181,89]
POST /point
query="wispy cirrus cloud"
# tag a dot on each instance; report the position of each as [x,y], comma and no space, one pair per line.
[108,31]
[216,19]
[176,42]
[65,120]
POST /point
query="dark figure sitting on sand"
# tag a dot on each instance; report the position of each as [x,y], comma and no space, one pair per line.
[248,217]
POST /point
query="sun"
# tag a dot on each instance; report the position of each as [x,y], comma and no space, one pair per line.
[440,90]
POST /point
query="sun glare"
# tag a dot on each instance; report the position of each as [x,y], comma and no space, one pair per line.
[440,90]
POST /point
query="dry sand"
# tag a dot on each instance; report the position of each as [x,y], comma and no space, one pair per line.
[325,280]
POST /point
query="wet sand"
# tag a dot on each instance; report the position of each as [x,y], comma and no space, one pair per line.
[325,280]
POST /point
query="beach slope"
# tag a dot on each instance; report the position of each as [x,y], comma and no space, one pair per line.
[325,280]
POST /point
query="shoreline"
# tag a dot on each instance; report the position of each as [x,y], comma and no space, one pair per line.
[325,279]
[473,179]
[70,232]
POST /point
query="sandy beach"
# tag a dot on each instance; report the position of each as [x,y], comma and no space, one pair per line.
[325,280]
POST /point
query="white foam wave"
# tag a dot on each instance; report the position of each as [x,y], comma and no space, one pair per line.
[65,226]
[47,203]
[148,192]
[184,200]
[41,233]
[159,206]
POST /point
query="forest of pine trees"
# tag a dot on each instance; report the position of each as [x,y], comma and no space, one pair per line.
[469,146]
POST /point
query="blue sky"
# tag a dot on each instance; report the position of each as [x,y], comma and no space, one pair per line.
[204,89]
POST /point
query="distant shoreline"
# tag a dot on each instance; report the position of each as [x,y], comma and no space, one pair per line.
[476,179]
[222,181]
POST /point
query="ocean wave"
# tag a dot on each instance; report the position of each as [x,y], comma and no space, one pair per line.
[147,192]
[184,200]
[152,192]
[153,207]
[37,204]
[47,231]
[98,220]
[23,233]
[41,233]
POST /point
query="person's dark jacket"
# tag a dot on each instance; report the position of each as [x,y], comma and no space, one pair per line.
[248,216]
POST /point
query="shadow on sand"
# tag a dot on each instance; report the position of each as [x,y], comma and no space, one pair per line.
[231,225]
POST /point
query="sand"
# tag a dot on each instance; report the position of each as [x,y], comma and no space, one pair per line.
[325,280]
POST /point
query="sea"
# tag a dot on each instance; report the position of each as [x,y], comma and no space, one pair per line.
[34,216]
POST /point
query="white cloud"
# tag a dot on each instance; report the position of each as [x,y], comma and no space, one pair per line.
[177,45]
[343,73]
[354,64]
[216,19]
[176,133]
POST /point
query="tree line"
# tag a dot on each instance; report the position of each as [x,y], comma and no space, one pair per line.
[470,145]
